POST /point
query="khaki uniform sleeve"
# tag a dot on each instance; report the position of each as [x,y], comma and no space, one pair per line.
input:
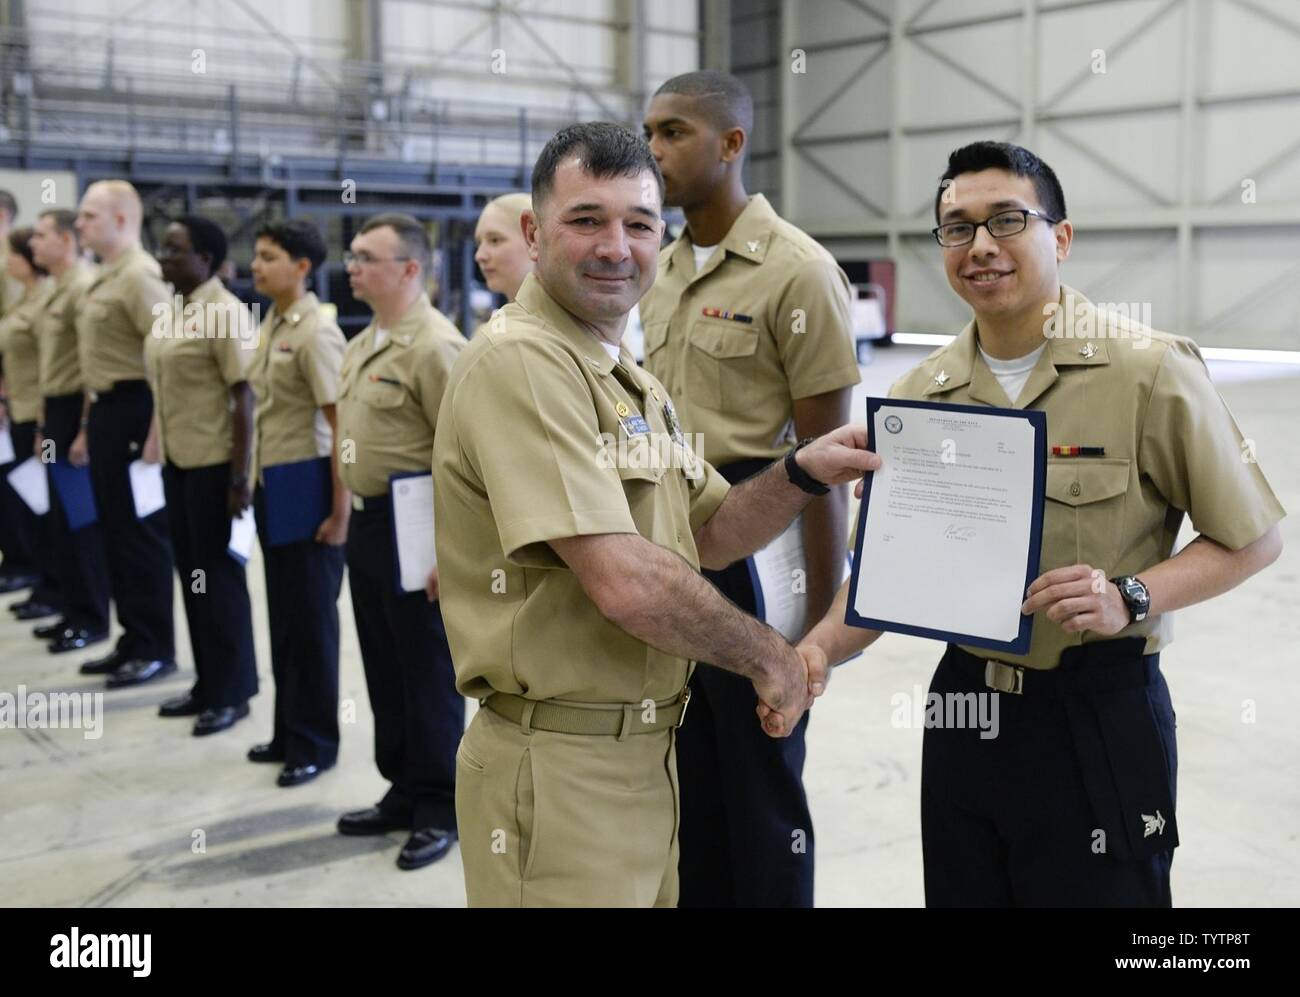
[321,361]
[707,493]
[143,294]
[432,379]
[822,357]
[229,348]
[528,431]
[1193,452]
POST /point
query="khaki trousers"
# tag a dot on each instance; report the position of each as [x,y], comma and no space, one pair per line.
[566,820]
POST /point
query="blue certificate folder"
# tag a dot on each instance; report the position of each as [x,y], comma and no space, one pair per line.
[298,498]
[862,560]
[76,497]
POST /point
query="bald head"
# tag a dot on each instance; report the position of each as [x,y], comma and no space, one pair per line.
[109,217]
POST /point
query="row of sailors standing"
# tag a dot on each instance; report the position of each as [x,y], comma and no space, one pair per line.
[155,361]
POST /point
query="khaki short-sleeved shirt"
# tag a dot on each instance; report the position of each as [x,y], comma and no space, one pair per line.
[1171,448]
[765,322]
[540,437]
[18,343]
[118,311]
[295,372]
[206,350]
[390,394]
[56,333]
[11,292]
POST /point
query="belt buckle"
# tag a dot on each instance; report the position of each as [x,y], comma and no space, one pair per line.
[686,701]
[1013,682]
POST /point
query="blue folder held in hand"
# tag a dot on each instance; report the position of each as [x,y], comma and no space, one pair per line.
[76,497]
[298,497]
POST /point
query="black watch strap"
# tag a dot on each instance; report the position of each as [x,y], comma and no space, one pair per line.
[798,476]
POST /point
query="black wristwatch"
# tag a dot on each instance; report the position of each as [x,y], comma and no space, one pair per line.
[798,476]
[1135,596]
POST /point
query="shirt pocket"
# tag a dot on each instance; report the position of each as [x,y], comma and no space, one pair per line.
[641,476]
[721,369]
[1083,517]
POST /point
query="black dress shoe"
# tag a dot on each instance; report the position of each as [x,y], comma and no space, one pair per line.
[29,609]
[296,775]
[14,583]
[265,753]
[110,662]
[424,847]
[139,671]
[74,639]
[221,718]
[372,820]
[48,631]
[186,705]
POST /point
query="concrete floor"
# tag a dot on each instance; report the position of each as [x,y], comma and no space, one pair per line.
[148,815]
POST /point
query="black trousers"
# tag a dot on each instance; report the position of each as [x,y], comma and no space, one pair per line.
[1071,803]
[419,715]
[15,546]
[746,834]
[82,566]
[139,550]
[213,587]
[302,592]
[30,541]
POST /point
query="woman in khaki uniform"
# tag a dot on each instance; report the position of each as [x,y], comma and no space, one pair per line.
[204,408]
[26,553]
[295,376]
[501,252]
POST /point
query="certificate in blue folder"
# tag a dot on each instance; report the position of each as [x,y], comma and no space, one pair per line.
[76,497]
[951,525]
[298,498]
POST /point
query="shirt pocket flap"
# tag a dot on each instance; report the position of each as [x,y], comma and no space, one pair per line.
[1080,480]
[724,340]
[635,461]
[656,334]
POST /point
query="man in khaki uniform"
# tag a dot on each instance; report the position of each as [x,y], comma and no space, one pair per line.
[78,556]
[748,327]
[117,312]
[1073,802]
[571,523]
[394,374]
[295,377]
[24,531]
[18,570]
[10,289]
[197,363]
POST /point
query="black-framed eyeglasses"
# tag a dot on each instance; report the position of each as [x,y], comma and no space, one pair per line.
[1001,226]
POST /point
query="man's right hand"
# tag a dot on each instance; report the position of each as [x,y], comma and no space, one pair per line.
[783,694]
[79,453]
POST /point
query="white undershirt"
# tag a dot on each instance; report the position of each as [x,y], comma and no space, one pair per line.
[610,348]
[1012,374]
[702,254]
[380,336]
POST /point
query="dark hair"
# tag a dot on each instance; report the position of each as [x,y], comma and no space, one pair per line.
[415,240]
[1012,158]
[64,220]
[606,150]
[206,237]
[723,99]
[20,242]
[300,239]
[8,203]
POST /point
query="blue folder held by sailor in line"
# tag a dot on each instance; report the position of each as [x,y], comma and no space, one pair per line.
[298,498]
[76,497]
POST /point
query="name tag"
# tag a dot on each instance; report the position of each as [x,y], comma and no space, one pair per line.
[635,425]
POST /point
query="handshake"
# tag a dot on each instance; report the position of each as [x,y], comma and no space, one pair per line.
[788,687]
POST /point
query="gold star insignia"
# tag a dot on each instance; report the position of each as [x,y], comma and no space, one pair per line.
[1087,351]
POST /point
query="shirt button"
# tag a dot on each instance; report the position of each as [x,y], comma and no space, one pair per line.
[1076,490]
